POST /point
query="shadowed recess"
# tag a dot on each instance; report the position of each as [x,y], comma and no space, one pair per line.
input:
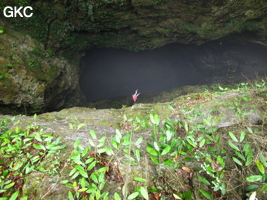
[114,73]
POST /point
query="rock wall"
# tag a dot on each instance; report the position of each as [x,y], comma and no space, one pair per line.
[33,80]
[137,24]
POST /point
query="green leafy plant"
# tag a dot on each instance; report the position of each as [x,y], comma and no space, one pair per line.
[1,30]
[4,76]
[22,152]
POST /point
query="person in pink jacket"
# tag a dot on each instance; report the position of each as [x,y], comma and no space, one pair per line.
[135,95]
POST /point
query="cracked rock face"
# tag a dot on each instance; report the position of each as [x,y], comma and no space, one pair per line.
[139,24]
[31,79]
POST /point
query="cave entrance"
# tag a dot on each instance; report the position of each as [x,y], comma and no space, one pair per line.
[112,74]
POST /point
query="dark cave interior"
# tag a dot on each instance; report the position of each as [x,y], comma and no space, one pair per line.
[113,73]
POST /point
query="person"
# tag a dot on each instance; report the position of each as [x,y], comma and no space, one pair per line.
[135,95]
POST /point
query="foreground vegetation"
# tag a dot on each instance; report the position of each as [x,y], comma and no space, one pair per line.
[193,156]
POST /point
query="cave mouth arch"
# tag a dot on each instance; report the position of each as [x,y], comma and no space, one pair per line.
[114,73]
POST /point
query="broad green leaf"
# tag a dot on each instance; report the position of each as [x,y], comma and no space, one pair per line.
[103,150]
[221,88]
[176,196]
[152,118]
[191,142]
[249,160]
[247,150]
[207,122]
[139,179]
[204,180]
[14,196]
[92,165]
[264,187]
[154,160]
[70,195]
[240,156]
[74,184]
[40,146]
[138,154]
[124,190]
[223,188]
[109,151]
[93,176]
[170,107]
[77,142]
[75,175]
[186,126]
[64,182]
[206,194]
[249,130]
[263,161]
[127,139]
[91,142]
[133,195]
[242,136]
[115,144]
[80,125]
[233,136]
[118,136]
[156,146]
[169,135]
[10,185]
[98,194]
[144,192]
[92,196]
[166,150]
[254,178]
[117,196]
[237,161]
[55,148]
[221,161]
[70,125]
[252,187]
[101,144]
[83,182]
[93,134]
[214,123]
[83,173]
[89,160]
[82,189]
[103,169]
[202,143]
[167,163]
[102,139]
[233,146]
[260,167]
[38,137]
[138,141]
[151,151]
[72,171]
[156,118]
